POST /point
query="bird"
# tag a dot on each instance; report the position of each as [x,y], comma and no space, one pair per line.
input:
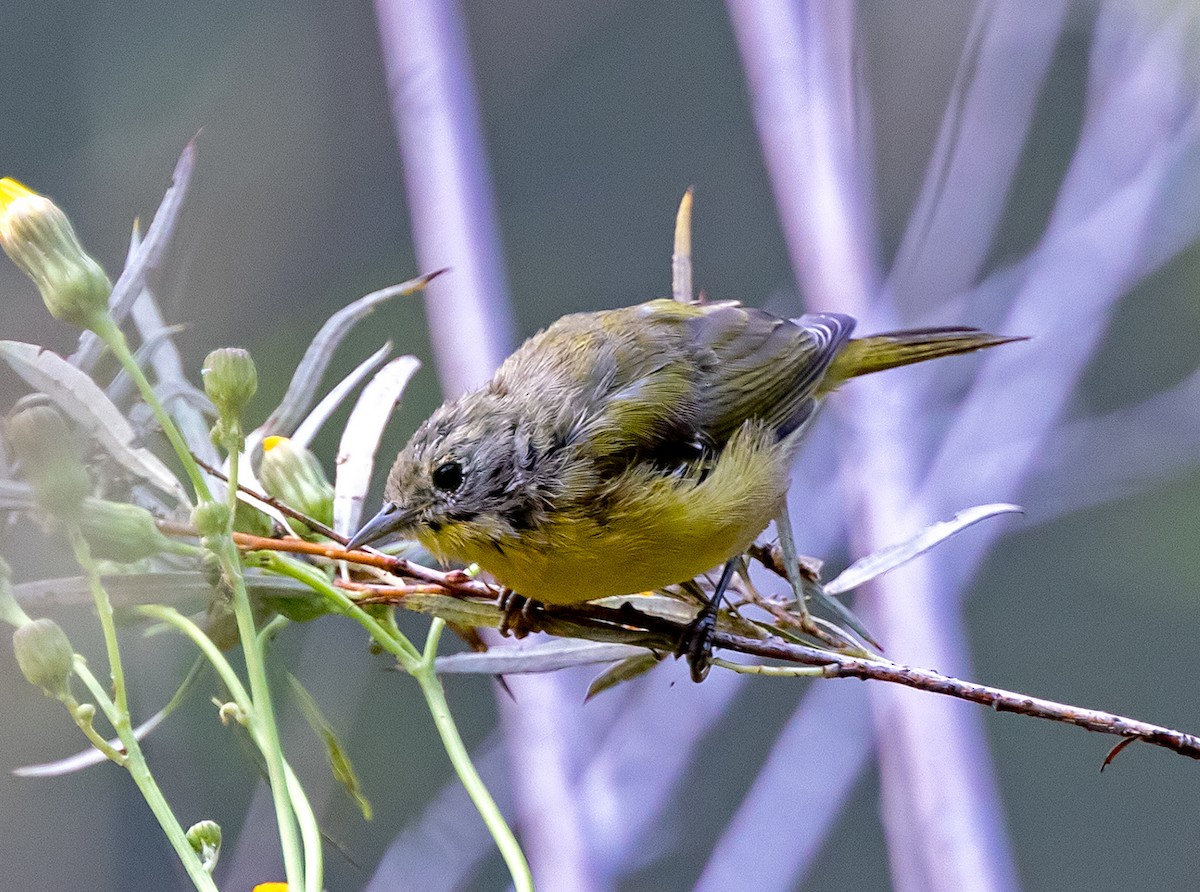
[625,450]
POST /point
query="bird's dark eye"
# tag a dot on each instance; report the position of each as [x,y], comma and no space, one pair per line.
[448,476]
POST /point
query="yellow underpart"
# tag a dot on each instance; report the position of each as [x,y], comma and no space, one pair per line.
[658,530]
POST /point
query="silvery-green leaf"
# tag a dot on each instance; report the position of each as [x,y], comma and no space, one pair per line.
[83,400]
[307,377]
[623,670]
[360,439]
[147,256]
[168,368]
[867,568]
[546,656]
[170,587]
[661,606]
[92,756]
[320,414]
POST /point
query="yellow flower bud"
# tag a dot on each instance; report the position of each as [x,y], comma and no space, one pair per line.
[39,238]
[230,380]
[45,656]
[293,475]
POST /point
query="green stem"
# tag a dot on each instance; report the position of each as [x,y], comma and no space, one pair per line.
[310,832]
[84,722]
[83,556]
[771,671]
[309,829]
[392,640]
[421,667]
[262,717]
[435,697]
[109,332]
[210,651]
[135,763]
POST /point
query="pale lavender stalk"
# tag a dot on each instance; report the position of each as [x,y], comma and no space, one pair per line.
[831,729]
[1097,246]
[941,816]
[987,120]
[454,225]
[448,187]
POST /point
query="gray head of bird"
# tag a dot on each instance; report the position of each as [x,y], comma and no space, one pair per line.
[471,463]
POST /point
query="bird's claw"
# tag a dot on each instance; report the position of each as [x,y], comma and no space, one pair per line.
[696,643]
[518,614]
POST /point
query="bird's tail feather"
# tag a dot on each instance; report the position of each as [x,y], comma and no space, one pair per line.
[888,350]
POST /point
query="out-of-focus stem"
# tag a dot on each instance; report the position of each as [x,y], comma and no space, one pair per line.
[135,763]
[943,821]
[447,185]
[454,225]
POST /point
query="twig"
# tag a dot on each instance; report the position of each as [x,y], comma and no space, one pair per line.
[315,525]
[629,625]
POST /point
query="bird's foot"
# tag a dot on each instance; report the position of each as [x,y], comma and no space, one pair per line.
[518,614]
[696,643]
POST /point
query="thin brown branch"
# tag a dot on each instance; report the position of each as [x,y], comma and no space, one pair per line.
[457,598]
[315,525]
[842,666]
[631,626]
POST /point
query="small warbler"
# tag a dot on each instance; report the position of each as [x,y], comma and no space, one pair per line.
[625,450]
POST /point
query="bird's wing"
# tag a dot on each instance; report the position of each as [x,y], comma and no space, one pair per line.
[758,366]
[685,377]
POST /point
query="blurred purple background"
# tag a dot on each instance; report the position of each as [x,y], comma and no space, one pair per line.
[1031,170]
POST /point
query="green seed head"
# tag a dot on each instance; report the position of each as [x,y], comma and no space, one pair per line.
[230,380]
[45,656]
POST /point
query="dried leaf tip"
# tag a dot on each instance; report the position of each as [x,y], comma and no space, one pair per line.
[681,259]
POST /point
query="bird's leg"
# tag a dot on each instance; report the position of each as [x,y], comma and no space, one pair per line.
[518,614]
[696,640]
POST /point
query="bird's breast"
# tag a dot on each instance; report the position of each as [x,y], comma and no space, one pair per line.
[641,531]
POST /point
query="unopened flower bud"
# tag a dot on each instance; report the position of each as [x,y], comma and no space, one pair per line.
[39,238]
[248,519]
[118,531]
[51,457]
[45,656]
[230,380]
[292,474]
[205,839]
[211,518]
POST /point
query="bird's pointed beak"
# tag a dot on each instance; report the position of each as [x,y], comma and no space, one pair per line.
[389,519]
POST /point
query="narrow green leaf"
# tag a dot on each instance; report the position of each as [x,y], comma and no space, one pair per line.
[624,670]
[339,762]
